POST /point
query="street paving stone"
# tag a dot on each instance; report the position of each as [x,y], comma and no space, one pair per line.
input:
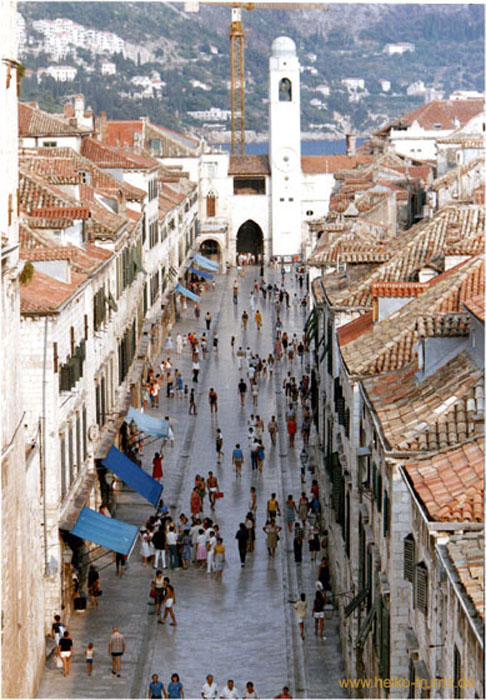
[243,627]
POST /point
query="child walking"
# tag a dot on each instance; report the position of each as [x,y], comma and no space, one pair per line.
[89,655]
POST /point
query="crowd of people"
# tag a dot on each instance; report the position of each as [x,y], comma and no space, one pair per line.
[194,541]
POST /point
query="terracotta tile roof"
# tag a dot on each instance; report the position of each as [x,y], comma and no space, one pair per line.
[466,552]
[389,344]
[121,133]
[442,325]
[352,330]
[443,410]
[451,483]
[475,305]
[113,157]
[331,163]
[456,227]
[57,212]
[184,139]
[30,238]
[443,112]
[249,165]
[356,241]
[35,122]
[36,193]
[397,289]
[171,194]
[44,293]
[65,165]
[83,260]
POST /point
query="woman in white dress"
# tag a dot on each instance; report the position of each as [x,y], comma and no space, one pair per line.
[145,537]
[179,343]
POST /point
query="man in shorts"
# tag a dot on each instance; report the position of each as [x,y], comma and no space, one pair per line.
[116,647]
[242,387]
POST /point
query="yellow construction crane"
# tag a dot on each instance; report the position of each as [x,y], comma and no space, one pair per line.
[237,55]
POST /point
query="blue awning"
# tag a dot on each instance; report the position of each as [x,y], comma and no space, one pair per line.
[133,475]
[205,262]
[201,273]
[187,293]
[148,424]
[107,532]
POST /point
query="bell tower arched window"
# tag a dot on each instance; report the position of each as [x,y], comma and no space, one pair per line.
[285,90]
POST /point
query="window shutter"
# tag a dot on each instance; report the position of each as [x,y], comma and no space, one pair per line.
[379,492]
[356,602]
[347,422]
[420,588]
[384,650]
[365,629]
[386,513]
[408,558]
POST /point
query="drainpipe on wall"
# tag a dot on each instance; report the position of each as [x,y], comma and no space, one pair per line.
[43,447]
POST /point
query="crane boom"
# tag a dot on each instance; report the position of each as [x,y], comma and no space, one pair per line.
[237,54]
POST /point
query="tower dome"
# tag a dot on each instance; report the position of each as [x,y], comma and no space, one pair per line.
[283,46]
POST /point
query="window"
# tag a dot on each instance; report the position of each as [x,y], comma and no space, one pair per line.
[49,144]
[71,454]
[382,638]
[420,592]
[309,212]
[249,185]
[79,459]
[126,352]
[285,90]
[386,514]
[408,557]
[457,672]
[85,434]
[154,287]
[211,204]
[99,308]
[63,466]
[103,400]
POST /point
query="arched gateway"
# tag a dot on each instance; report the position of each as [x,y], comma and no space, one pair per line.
[211,249]
[249,239]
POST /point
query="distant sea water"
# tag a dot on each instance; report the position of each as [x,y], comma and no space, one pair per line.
[308,148]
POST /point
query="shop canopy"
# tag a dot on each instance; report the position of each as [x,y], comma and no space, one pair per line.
[107,532]
[158,427]
[201,273]
[208,264]
[133,475]
[187,292]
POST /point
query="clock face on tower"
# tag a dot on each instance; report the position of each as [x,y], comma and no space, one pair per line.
[285,159]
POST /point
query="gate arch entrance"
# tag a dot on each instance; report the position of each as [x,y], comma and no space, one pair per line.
[211,249]
[249,239]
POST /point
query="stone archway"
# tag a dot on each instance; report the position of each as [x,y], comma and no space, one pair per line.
[211,249]
[249,239]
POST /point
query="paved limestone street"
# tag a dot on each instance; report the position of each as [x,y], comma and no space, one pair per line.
[243,627]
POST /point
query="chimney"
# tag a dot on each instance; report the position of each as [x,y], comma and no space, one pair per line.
[350,144]
[68,110]
[103,128]
[79,108]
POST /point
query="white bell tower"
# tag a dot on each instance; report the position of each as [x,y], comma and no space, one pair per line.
[284,148]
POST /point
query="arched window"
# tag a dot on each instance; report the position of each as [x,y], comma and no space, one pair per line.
[211,203]
[285,90]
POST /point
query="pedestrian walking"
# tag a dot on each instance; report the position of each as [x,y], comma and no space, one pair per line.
[250,692]
[273,430]
[242,536]
[116,649]
[66,648]
[157,472]
[197,312]
[238,459]
[179,344]
[240,354]
[209,689]
[211,543]
[219,558]
[169,601]
[158,588]
[303,508]
[57,629]
[233,340]
[300,607]
[271,529]
[175,689]
[273,507]
[213,488]
[253,501]
[156,688]
[215,342]
[201,552]
[229,690]
[290,512]
[314,543]
[120,563]
[298,542]
[258,319]
[318,613]
[195,371]
[171,539]
[208,321]
[254,393]
[192,404]
[242,387]
[250,526]
[219,446]
[323,575]
[254,448]
[213,400]
[89,657]
[195,501]
[291,430]
[244,320]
